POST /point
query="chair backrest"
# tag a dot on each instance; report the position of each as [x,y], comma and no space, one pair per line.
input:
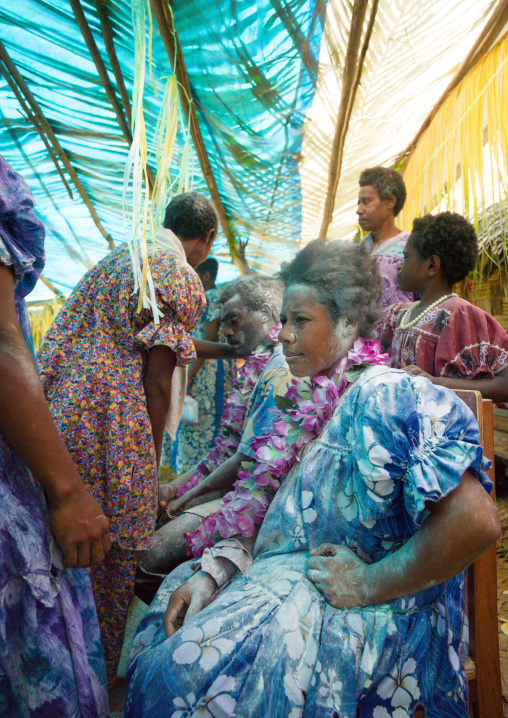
[482,588]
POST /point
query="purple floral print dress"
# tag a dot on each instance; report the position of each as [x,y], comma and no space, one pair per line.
[51,661]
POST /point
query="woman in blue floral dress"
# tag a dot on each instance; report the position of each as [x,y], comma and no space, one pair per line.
[51,660]
[351,595]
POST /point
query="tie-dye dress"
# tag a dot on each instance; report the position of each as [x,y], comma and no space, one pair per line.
[51,661]
[269,644]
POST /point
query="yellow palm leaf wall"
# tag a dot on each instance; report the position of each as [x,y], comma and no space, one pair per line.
[459,163]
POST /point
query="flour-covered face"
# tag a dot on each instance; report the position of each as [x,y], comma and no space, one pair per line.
[312,344]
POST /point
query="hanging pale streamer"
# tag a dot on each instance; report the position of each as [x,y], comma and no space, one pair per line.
[143,209]
[170,120]
[467,130]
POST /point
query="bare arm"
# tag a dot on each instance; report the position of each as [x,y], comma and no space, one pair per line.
[213,350]
[77,520]
[210,336]
[167,492]
[199,591]
[495,388]
[159,370]
[461,526]
[221,479]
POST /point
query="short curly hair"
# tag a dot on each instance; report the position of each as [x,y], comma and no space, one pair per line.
[191,215]
[345,278]
[255,290]
[387,182]
[211,266]
[452,238]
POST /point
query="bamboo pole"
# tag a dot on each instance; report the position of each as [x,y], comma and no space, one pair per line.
[48,130]
[350,79]
[109,44]
[51,286]
[493,27]
[33,120]
[101,68]
[173,48]
[102,71]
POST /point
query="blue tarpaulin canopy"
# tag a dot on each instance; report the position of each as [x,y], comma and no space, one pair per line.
[265,79]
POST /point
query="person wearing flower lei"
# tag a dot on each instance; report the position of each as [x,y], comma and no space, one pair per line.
[349,595]
[251,306]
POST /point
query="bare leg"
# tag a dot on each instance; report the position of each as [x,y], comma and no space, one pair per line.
[168,551]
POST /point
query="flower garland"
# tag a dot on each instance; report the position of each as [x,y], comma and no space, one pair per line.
[303,412]
[233,415]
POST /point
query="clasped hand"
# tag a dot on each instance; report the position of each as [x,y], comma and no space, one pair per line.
[340,575]
[80,527]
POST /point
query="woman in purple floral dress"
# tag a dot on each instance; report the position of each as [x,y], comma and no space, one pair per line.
[51,661]
[380,199]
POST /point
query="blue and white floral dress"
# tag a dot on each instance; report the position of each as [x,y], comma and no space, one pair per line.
[270,645]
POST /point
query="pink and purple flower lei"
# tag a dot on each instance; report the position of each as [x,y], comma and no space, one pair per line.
[303,412]
[233,415]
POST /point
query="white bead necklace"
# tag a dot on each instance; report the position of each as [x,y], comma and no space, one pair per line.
[407,325]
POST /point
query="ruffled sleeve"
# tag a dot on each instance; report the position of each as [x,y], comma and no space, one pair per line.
[181,298]
[417,440]
[21,232]
[472,344]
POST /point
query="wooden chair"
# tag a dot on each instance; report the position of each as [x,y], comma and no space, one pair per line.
[483,666]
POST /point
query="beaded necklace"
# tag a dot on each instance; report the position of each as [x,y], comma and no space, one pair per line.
[407,325]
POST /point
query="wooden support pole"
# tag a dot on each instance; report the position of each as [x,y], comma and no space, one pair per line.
[109,44]
[350,79]
[101,68]
[51,286]
[48,130]
[102,71]
[33,120]
[168,34]
[493,27]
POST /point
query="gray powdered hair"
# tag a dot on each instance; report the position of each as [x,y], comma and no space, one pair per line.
[254,291]
[345,279]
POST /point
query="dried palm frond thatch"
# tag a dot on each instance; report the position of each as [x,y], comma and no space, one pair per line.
[459,162]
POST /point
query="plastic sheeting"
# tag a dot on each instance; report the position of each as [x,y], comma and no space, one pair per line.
[266,79]
[252,68]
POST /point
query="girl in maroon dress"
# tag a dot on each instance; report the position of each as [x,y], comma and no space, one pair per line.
[442,336]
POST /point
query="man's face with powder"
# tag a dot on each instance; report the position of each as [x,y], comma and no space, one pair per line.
[244,328]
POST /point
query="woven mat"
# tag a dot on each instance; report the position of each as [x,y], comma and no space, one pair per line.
[502,594]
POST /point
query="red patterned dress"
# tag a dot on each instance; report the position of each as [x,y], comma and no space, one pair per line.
[92,364]
[455,340]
